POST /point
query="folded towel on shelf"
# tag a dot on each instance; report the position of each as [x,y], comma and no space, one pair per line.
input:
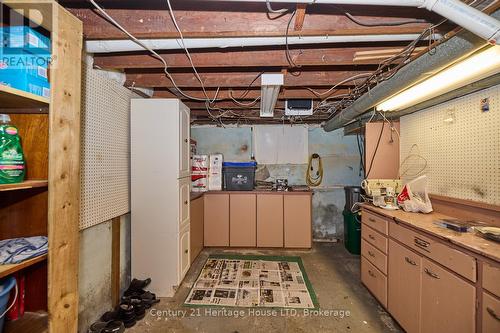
[16,250]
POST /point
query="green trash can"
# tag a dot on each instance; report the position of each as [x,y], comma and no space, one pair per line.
[352,232]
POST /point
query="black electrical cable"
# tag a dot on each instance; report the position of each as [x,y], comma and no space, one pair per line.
[375,152]
[287,50]
[361,162]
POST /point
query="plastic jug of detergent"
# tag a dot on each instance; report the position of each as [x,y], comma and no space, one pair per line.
[12,164]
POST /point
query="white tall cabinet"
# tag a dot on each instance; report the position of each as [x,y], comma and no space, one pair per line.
[160,192]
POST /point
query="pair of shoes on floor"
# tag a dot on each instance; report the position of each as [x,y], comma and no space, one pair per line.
[136,291]
[132,308]
[113,326]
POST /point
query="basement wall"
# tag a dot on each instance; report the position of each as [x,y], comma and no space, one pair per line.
[340,162]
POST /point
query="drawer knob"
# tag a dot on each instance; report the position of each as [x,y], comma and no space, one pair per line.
[371,273]
[371,219]
[431,274]
[492,313]
[371,254]
[371,236]
[411,262]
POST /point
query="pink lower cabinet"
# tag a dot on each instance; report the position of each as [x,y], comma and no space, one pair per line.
[216,220]
[403,290]
[243,220]
[448,301]
[270,220]
[297,220]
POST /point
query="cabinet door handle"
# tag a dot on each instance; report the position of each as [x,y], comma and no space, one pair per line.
[411,262]
[186,202]
[185,140]
[371,273]
[492,313]
[431,274]
[421,242]
[186,251]
[371,236]
[371,254]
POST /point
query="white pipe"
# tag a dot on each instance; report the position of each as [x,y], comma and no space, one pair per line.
[125,45]
[462,14]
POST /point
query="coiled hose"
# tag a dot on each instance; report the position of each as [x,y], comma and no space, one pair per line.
[314,178]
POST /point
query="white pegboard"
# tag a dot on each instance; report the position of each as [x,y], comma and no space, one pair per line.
[463,156]
[105,148]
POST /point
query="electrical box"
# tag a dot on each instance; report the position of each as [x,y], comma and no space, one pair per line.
[298,107]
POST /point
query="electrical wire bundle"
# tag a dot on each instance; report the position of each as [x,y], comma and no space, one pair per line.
[386,69]
[314,178]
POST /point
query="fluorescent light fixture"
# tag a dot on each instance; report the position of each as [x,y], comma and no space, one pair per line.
[474,68]
[269,91]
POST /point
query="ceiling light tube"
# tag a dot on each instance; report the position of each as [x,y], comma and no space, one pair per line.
[474,68]
[270,89]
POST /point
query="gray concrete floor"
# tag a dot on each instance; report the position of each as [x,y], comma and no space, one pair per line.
[334,274]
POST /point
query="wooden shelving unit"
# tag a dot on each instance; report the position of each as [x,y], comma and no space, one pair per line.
[12,268]
[15,98]
[47,202]
[27,184]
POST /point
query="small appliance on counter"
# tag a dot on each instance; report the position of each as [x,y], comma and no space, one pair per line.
[282,184]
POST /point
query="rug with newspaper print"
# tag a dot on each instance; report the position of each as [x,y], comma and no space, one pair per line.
[253,281]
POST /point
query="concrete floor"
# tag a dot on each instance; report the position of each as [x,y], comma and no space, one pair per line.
[334,274]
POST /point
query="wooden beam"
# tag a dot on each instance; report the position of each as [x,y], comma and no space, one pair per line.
[64,172]
[254,58]
[237,79]
[250,95]
[147,23]
[115,261]
[300,15]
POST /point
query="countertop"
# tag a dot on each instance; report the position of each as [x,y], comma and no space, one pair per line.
[425,223]
[196,195]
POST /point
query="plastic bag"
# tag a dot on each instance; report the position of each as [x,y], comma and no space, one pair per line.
[414,196]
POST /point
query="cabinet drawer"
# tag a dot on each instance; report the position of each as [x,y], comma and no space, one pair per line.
[491,278]
[184,254]
[375,221]
[455,260]
[491,314]
[376,257]
[374,238]
[374,280]
[184,202]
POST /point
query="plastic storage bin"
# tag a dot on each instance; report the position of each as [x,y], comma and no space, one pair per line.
[6,286]
[239,176]
[352,232]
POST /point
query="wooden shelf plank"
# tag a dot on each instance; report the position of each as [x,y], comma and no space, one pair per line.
[27,184]
[33,322]
[12,268]
[15,98]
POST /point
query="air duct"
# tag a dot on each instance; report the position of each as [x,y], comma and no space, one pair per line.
[457,47]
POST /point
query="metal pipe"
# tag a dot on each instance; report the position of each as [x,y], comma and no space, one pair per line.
[106,46]
[457,47]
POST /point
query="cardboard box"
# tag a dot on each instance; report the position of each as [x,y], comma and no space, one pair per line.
[25,72]
[215,172]
[199,182]
[25,38]
[199,164]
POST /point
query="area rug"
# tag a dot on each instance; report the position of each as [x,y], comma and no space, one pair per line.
[253,281]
